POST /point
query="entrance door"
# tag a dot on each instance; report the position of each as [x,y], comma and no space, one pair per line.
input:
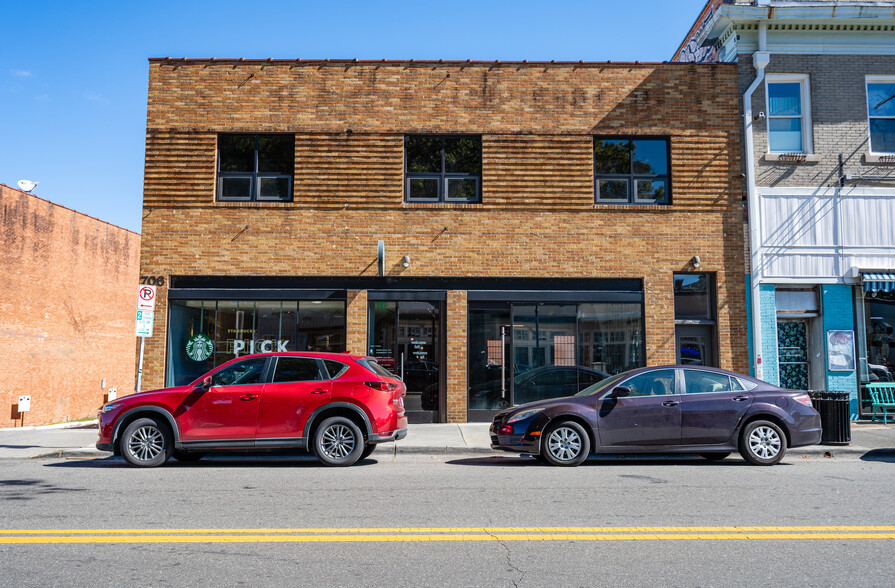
[405,338]
[695,345]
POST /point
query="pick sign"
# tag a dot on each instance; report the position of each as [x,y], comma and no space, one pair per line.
[146,298]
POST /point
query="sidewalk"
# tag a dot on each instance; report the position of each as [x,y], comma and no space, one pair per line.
[434,439]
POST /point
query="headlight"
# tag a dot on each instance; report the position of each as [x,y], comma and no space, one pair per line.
[525,414]
[111,406]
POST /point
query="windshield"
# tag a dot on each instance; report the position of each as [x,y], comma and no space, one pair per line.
[602,385]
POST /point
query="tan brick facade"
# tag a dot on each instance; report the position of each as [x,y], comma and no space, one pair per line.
[537,218]
[68,297]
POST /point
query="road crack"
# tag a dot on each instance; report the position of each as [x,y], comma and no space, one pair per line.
[509,555]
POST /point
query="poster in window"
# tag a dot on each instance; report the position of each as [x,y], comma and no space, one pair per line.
[841,351]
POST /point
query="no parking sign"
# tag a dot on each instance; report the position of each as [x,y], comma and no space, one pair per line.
[146,298]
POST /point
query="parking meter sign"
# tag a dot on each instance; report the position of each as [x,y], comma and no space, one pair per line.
[144,323]
[146,298]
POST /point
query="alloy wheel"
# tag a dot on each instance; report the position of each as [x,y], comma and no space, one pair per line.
[764,442]
[564,443]
[146,443]
[338,441]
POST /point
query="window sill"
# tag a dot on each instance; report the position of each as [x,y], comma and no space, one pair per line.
[442,205]
[253,203]
[629,206]
[879,158]
[792,157]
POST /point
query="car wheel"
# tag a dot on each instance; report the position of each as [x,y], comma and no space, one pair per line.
[146,443]
[762,443]
[368,449]
[565,444]
[338,442]
[715,455]
[187,456]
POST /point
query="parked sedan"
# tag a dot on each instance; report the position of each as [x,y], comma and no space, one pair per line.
[337,405]
[670,409]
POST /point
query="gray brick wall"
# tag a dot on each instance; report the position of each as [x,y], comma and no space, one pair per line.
[838,118]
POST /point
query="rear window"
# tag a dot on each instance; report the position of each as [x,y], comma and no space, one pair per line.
[376,368]
[334,368]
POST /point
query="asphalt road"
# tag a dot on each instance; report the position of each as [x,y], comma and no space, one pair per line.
[416,520]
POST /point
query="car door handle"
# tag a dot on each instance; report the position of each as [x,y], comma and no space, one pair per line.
[248,397]
[318,391]
[739,398]
[671,403]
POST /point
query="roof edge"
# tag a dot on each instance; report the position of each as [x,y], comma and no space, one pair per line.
[78,212]
[411,62]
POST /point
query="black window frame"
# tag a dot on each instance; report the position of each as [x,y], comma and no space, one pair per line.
[254,176]
[632,177]
[444,176]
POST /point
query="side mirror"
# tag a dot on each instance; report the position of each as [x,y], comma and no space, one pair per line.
[206,383]
[620,392]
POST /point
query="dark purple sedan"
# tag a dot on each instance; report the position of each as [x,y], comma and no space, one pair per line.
[668,409]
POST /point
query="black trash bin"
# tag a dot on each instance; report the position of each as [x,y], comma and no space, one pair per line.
[834,416]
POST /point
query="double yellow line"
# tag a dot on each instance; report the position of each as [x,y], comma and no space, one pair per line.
[433,534]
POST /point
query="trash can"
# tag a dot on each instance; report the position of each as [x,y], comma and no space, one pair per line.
[834,416]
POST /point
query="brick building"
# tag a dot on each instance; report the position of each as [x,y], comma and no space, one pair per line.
[816,86]
[495,232]
[67,300]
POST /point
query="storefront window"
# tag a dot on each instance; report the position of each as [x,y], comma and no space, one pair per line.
[556,349]
[205,334]
[880,316]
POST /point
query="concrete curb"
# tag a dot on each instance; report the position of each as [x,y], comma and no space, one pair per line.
[71,425]
[818,451]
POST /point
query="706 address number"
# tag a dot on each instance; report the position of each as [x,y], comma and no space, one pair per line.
[153,280]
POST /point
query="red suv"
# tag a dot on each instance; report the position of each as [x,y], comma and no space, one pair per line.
[337,405]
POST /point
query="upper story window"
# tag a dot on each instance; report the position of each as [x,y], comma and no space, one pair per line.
[789,114]
[631,170]
[442,168]
[881,113]
[255,167]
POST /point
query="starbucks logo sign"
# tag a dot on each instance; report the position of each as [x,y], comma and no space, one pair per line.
[199,347]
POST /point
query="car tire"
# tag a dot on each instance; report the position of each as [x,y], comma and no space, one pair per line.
[715,455]
[338,442]
[368,449]
[565,444]
[762,443]
[187,456]
[146,443]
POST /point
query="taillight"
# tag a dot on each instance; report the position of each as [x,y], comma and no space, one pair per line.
[383,386]
[505,430]
[804,399]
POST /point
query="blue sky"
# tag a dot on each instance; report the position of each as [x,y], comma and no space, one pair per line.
[73,75]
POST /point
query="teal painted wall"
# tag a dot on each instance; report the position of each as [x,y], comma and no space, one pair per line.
[839,314]
[768,304]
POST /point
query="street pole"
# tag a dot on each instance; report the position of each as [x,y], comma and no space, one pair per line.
[140,366]
[503,363]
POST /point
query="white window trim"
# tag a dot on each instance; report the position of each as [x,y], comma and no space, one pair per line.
[875,79]
[805,94]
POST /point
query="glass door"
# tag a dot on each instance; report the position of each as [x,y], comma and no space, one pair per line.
[405,337]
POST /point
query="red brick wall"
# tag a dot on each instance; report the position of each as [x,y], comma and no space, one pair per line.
[67,304]
[537,217]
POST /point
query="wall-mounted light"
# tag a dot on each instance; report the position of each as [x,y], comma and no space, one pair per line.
[406,261]
[695,261]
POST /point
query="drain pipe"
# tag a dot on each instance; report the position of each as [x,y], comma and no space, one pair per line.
[760,60]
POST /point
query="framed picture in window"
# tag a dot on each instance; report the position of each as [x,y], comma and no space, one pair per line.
[841,351]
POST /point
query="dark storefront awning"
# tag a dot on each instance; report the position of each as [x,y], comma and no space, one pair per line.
[879,282]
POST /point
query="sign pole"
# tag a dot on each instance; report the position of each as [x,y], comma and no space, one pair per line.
[140,367]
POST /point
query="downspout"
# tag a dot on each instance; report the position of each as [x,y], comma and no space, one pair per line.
[760,60]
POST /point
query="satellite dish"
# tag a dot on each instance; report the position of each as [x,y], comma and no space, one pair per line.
[27,185]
